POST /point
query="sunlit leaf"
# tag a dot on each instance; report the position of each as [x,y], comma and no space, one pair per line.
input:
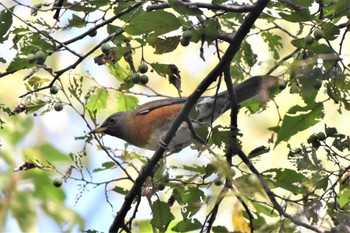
[298,119]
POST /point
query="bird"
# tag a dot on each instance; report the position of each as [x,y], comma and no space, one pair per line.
[146,125]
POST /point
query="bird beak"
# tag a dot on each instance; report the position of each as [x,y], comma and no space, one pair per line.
[98,130]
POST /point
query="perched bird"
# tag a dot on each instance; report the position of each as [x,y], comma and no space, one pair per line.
[146,125]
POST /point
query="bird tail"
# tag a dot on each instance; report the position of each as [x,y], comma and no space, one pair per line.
[247,89]
[208,109]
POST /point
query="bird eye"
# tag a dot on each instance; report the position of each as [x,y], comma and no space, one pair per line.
[112,120]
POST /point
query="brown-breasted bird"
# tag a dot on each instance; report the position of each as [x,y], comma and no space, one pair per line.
[146,125]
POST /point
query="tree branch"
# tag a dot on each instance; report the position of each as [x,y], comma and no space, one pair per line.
[192,99]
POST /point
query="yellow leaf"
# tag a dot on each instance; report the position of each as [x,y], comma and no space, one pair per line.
[239,223]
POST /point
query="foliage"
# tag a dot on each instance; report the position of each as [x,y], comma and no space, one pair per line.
[312,190]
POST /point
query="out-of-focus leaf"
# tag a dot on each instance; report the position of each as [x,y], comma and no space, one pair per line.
[76,21]
[117,71]
[211,30]
[46,152]
[192,198]
[183,9]
[18,129]
[298,119]
[162,215]
[105,166]
[157,22]
[36,81]
[5,23]
[126,102]
[297,16]
[187,225]
[97,101]
[120,190]
[248,55]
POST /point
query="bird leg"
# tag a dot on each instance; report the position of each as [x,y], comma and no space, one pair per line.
[198,141]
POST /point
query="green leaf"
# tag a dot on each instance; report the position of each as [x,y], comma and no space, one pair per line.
[298,119]
[161,69]
[117,71]
[157,22]
[5,23]
[211,31]
[183,9]
[303,3]
[161,45]
[248,55]
[220,229]
[126,102]
[191,197]
[22,126]
[274,43]
[98,101]
[287,179]
[34,105]
[187,225]
[120,190]
[162,215]
[46,152]
[36,81]
[76,21]
[105,166]
[297,16]
[18,64]
[331,31]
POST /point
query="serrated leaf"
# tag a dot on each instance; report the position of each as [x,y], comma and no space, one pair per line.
[165,45]
[120,190]
[126,102]
[162,215]
[274,43]
[248,55]
[76,21]
[192,198]
[105,166]
[34,105]
[97,101]
[157,22]
[298,119]
[18,64]
[287,179]
[5,23]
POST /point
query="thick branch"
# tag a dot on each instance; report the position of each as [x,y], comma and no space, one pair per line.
[241,33]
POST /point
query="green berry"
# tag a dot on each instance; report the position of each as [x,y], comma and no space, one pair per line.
[54,90]
[144,79]
[58,107]
[160,186]
[330,131]
[40,57]
[136,78]
[143,68]
[187,35]
[321,136]
[105,48]
[93,33]
[252,179]
[309,40]
[57,182]
[312,139]
[218,182]
[184,42]
[318,84]
[31,58]
[318,34]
